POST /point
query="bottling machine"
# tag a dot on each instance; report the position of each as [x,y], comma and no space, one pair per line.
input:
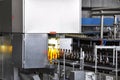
[28,23]
[42,40]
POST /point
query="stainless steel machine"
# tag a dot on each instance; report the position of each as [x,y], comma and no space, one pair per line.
[28,22]
[30,50]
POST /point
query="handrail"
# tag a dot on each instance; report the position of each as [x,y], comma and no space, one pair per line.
[106,9]
[106,14]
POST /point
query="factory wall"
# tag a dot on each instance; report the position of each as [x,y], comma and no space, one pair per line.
[87,5]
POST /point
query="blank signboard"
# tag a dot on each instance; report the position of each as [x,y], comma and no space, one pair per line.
[45,16]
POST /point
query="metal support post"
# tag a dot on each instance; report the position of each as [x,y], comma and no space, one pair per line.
[64,64]
[81,59]
[102,21]
[113,57]
[95,50]
[116,64]
[115,26]
[73,66]
[58,68]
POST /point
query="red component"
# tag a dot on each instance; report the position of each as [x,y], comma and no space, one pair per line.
[101,42]
[45,51]
[12,17]
[52,32]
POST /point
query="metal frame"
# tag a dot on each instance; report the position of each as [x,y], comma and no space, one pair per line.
[81,64]
[115,56]
[117,49]
[101,12]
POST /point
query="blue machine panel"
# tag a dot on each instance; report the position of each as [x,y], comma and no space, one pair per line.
[96,21]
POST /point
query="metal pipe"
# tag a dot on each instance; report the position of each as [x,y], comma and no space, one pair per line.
[73,66]
[80,59]
[95,50]
[106,14]
[116,64]
[64,64]
[113,57]
[115,26]
[83,60]
[102,24]
[106,9]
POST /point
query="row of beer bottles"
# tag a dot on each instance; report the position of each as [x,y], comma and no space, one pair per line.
[60,53]
[89,56]
[103,58]
[70,54]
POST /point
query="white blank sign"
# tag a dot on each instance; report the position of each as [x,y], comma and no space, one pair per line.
[45,16]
